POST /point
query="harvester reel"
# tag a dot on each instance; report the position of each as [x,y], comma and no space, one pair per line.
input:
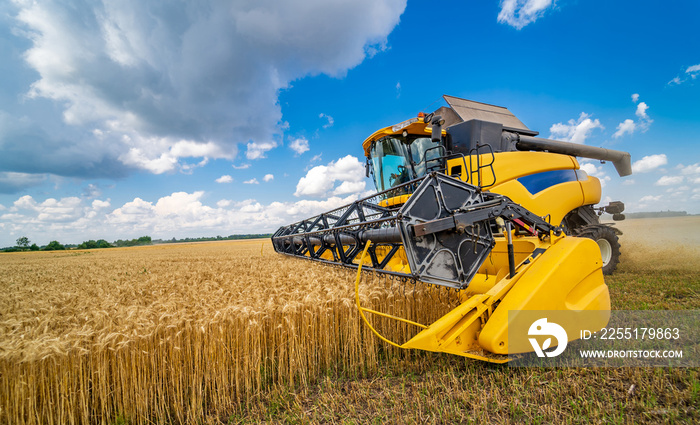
[445,229]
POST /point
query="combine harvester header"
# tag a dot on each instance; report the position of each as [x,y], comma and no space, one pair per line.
[469,198]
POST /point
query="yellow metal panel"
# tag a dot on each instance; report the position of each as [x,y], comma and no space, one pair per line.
[591,190]
[393,201]
[567,276]
[556,201]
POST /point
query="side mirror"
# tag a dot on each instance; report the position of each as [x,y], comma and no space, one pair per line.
[367,168]
[437,123]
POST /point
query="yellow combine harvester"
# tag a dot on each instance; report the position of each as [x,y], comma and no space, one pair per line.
[468,198]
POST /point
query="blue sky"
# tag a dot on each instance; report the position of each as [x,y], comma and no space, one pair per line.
[123,118]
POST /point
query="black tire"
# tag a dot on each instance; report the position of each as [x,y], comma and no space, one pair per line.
[609,244]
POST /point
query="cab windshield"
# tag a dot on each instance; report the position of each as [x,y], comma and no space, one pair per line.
[396,160]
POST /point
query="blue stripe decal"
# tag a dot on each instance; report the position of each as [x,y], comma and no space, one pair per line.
[535,183]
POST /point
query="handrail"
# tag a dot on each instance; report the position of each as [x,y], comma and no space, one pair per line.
[362,310]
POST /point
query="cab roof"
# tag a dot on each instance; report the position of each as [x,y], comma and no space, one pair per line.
[459,110]
[412,126]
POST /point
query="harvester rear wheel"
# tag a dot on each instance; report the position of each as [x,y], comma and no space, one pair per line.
[609,245]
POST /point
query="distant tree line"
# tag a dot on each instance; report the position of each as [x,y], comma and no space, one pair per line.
[143,240]
[215,238]
[656,214]
[23,243]
[91,244]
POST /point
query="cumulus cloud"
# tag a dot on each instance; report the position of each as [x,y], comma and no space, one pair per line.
[590,168]
[649,163]
[596,171]
[180,214]
[268,178]
[251,181]
[629,126]
[299,145]
[641,113]
[146,84]
[649,198]
[224,179]
[693,169]
[669,180]
[257,150]
[575,131]
[626,127]
[50,219]
[320,181]
[519,13]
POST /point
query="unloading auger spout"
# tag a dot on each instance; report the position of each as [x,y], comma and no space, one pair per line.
[441,235]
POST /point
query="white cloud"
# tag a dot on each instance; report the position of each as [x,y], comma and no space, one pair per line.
[629,126]
[51,210]
[251,181]
[224,179]
[241,167]
[349,187]
[519,13]
[595,171]
[98,204]
[257,150]
[650,198]
[55,218]
[626,127]
[691,73]
[649,163]
[642,111]
[576,131]
[144,84]
[268,178]
[329,120]
[156,165]
[299,145]
[644,120]
[181,214]
[320,181]
[590,168]
[690,169]
[669,180]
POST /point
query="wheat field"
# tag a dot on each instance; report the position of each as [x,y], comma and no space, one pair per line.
[206,332]
[175,333]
